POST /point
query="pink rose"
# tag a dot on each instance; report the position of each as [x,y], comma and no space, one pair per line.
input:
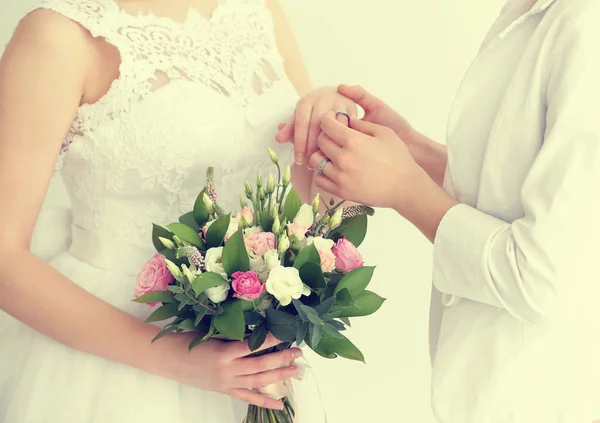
[154,276]
[347,256]
[260,242]
[247,285]
[247,213]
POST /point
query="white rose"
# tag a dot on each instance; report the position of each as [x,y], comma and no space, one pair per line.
[284,283]
[214,261]
[320,243]
[303,220]
[218,293]
[263,265]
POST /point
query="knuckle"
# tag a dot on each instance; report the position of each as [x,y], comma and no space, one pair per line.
[287,356]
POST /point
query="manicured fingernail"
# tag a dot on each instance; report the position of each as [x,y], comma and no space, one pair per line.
[299,159]
[297,354]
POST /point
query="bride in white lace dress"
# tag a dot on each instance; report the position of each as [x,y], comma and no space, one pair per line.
[149,94]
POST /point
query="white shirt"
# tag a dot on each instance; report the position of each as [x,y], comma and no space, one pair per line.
[518,260]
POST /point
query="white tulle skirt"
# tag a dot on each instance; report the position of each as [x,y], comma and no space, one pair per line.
[43,381]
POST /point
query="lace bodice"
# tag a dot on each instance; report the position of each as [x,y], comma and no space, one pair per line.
[192,94]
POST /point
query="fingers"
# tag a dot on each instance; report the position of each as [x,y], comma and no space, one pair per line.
[330,170]
[330,148]
[315,129]
[360,96]
[286,130]
[236,350]
[327,185]
[302,122]
[255,398]
[264,363]
[258,380]
[337,131]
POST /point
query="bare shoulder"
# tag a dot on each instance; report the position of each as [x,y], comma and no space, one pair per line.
[48,31]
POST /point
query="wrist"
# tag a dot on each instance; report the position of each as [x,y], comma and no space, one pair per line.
[425,203]
[431,156]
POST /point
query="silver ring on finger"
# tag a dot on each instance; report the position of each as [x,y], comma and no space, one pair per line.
[342,112]
[321,167]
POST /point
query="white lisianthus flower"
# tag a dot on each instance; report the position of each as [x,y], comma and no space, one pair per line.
[284,284]
[320,243]
[263,265]
[214,261]
[218,294]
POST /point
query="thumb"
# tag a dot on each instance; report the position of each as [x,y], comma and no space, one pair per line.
[360,96]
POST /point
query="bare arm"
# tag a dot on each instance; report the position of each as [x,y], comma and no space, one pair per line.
[302,176]
[42,80]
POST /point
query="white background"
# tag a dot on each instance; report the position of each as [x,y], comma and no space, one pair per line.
[412,54]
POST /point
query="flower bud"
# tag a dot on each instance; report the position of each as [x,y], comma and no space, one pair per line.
[261,193]
[274,158]
[243,202]
[270,184]
[275,210]
[336,219]
[174,270]
[188,273]
[249,190]
[284,243]
[170,245]
[208,203]
[316,204]
[326,218]
[277,226]
[243,223]
[287,176]
[259,181]
[178,241]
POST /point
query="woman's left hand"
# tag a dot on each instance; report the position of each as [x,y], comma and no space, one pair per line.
[304,126]
[368,163]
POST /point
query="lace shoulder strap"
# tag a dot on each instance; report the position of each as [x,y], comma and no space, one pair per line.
[97,16]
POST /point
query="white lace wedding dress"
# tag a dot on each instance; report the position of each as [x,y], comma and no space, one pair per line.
[192,94]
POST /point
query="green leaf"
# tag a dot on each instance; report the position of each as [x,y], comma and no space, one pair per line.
[189,220]
[235,257]
[163,313]
[206,281]
[187,324]
[365,304]
[354,229]
[200,213]
[167,330]
[156,297]
[185,233]
[253,318]
[257,338]
[316,333]
[346,321]
[175,289]
[217,231]
[302,332]
[323,308]
[266,222]
[196,341]
[184,303]
[312,275]
[332,330]
[344,299]
[337,325]
[282,325]
[331,347]
[160,232]
[308,255]
[356,281]
[292,205]
[231,323]
[200,313]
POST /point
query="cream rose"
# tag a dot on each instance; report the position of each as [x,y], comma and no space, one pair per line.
[324,247]
[284,284]
[302,222]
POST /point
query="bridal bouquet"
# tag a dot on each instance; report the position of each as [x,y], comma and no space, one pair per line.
[276,266]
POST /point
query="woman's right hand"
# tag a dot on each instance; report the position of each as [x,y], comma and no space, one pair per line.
[225,367]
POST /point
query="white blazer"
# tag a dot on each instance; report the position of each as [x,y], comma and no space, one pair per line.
[518,261]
